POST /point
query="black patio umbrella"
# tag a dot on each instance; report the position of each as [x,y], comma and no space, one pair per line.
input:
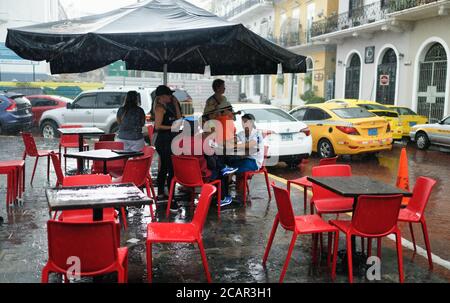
[156,35]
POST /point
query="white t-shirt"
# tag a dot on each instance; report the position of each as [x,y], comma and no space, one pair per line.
[258,152]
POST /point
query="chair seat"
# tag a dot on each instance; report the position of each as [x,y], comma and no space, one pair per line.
[171,232]
[311,224]
[116,172]
[43,153]
[12,164]
[73,145]
[85,215]
[407,215]
[333,205]
[303,181]
[342,224]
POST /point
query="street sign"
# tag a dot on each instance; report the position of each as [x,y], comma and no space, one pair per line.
[431,94]
[384,80]
[7,56]
[117,69]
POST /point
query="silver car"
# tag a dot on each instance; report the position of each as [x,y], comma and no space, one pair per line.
[427,134]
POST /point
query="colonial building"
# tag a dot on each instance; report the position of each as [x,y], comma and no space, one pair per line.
[293,29]
[258,16]
[394,52]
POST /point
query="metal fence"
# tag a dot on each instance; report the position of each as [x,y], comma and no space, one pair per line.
[244,6]
[395,6]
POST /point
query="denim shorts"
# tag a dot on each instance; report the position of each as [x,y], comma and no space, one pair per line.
[132,145]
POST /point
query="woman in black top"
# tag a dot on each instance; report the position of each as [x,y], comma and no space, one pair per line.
[167,112]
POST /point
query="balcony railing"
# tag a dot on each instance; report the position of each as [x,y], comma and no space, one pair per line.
[359,16]
[399,5]
[244,6]
[293,38]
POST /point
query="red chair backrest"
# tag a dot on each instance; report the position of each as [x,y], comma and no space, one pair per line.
[187,170]
[136,170]
[151,130]
[57,166]
[328,161]
[376,215]
[336,170]
[421,194]
[107,137]
[69,138]
[266,156]
[148,151]
[81,180]
[94,243]
[284,205]
[203,206]
[98,165]
[30,144]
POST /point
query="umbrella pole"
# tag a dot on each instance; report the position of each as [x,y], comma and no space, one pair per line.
[165,74]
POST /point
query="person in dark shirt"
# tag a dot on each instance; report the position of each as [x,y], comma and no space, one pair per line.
[131,119]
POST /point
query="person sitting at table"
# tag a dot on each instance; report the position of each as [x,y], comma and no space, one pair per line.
[131,119]
[192,137]
[250,146]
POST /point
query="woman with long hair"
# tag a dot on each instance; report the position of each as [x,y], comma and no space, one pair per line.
[131,119]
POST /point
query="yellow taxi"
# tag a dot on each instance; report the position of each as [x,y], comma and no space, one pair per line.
[431,134]
[380,110]
[408,118]
[341,129]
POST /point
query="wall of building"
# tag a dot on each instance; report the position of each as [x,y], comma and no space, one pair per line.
[409,44]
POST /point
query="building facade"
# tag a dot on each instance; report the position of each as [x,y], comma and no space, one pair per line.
[394,52]
[258,16]
[293,28]
[19,13]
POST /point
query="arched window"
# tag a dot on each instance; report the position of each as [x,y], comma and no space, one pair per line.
[386,79]
[352,77]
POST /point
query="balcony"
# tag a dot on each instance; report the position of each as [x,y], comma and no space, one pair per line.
[357,17]
[395,6]
[293,38]
[412,10]
[254,6]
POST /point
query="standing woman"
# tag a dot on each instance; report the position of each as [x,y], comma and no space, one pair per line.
[167,111]
[131,119]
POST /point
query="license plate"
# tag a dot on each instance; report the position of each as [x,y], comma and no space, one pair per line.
[373,132]
[286,137]
[412,123]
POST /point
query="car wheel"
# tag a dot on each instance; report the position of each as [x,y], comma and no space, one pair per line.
[422,141]
[325,149]
[49,130]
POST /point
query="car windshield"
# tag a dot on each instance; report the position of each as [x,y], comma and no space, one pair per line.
[352,113]
[65,99]
[373,106]
[270,115]
[406,111]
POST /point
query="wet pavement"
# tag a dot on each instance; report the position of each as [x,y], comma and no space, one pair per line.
[235,244]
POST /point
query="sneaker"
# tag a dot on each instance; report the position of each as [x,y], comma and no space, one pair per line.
[174,207]
[226,201]
[228,170]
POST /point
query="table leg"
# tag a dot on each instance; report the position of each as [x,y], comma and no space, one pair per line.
[80,162]
[98,214]
[105,168]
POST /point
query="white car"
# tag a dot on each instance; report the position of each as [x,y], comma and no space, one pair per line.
[287,138]
[95,108]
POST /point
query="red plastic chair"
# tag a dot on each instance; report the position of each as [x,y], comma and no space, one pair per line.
[182,232]
[15,172]
[151,130]
[58,170]
[86,215]
[374,217]
[94,243]
[325,201]
[136,172]
[187,172]
[415,211]
[115,168]
[248,176]
[32,151]
[70,141]
[303,181]
[107,137]
[300,225]
[149,151]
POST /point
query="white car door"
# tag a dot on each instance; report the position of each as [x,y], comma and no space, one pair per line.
[106,111]
[81,111]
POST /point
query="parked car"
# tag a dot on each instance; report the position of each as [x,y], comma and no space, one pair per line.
[380,110]
[95,108]
[408,118]
[43,103]
[341,129]
[15,113]
[431,134]
[287,138]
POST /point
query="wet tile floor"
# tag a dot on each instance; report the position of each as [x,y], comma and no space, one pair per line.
[234,245]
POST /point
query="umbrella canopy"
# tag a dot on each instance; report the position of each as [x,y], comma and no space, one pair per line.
[157,35]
